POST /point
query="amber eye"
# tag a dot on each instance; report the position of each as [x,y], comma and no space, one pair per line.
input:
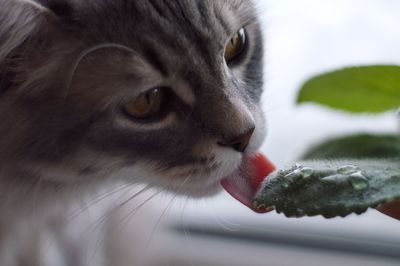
[235,45]
[147,105]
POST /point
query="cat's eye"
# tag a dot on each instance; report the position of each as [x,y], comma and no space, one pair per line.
[235,46]
[146,105]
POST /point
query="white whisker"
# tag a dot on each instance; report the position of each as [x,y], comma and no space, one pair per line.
[104,217]
[97,200]
[137,208]
[166,210]
[89,51]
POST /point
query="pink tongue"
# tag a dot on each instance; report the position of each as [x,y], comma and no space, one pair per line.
[244,184]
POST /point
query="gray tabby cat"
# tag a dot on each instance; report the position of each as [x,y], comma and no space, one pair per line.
[162,92]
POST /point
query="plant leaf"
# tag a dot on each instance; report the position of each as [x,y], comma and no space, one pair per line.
[370,89]
[331,188]
[356,146]
[328,183]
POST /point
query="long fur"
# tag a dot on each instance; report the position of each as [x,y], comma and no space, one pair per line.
[67,69]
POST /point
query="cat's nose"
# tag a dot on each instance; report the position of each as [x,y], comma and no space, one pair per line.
[239,143]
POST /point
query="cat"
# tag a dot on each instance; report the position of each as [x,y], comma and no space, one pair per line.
[166,93]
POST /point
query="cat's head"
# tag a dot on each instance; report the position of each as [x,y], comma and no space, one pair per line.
[161,92]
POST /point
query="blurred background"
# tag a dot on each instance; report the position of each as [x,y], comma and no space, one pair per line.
[303,38]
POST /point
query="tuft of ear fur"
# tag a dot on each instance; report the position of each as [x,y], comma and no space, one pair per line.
[34,4]
[18,20]
[60,8]
[21,21]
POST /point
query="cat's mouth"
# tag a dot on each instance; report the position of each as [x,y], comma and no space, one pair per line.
[244,183]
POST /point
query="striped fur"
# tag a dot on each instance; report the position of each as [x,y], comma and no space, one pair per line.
[66,66]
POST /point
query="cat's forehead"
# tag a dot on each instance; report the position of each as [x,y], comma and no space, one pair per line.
[202,17]
[177,43]
[204,13]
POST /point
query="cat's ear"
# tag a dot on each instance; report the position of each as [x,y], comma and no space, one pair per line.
[20,19]
[24,24]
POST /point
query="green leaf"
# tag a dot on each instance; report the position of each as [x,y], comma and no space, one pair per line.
[357,146]
[330,183]
[331,188]
[370,89]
